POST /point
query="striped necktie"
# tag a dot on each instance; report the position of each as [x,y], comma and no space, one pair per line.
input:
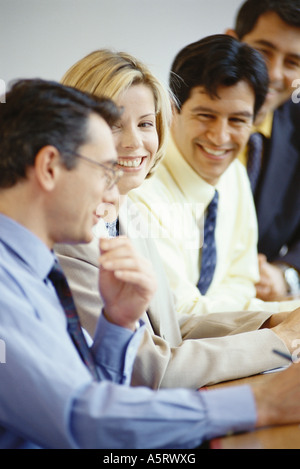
[59,281]
[209,251]
[113,228]
[255,147]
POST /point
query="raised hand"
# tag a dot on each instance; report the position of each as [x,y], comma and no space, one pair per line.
[127,282]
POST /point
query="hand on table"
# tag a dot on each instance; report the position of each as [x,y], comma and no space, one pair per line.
[277,401]
[272,286]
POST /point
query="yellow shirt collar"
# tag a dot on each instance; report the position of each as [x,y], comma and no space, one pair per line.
[189,182]
[265,128]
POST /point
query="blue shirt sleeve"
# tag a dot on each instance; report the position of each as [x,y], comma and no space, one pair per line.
[115,349]
[48,398]
[141,418]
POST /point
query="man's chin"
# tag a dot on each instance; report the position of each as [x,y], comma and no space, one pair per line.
[276,102]
[87,238]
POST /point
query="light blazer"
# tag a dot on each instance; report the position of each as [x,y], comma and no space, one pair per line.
[227,345]
[277,197]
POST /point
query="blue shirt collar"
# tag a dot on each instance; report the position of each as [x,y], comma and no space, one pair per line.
[26,245]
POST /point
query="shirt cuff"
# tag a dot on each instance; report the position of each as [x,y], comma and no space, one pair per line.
[115,349]
[230,410]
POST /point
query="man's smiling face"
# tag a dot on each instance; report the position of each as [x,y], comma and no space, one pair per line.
[279,43]
[211,131]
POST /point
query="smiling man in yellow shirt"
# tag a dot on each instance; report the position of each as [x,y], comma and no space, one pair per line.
[217,99]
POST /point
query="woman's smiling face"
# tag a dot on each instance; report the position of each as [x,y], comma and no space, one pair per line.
[135,136]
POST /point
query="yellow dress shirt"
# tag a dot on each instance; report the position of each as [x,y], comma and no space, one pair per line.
[173,203]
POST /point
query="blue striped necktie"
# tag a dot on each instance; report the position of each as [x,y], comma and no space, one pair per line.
[255,151]
[209,251]
[113,228]
[59,281]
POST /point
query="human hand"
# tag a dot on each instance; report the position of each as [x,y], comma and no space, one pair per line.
[277,400]
[126,282]
[272,286]
[288,330]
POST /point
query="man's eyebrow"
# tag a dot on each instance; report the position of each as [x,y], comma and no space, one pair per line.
[263,42]
[270,45]
[243,114]
[213,111]
[202,108]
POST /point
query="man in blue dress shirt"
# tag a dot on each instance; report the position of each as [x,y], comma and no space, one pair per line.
[57,163]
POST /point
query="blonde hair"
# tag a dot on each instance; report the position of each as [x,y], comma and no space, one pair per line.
[108,73]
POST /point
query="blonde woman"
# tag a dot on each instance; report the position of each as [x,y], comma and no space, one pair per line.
[169,355]
[112,74]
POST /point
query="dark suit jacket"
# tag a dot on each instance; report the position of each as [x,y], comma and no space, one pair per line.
[277,197]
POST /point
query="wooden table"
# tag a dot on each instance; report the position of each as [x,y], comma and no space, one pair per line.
[280,437]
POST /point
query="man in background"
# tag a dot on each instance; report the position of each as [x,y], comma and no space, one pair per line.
[273,28]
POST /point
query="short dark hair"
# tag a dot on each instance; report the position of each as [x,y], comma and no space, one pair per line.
[251,10]
[215,61]
[39,113]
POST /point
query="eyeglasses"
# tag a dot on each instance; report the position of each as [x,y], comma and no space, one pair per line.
[112,173]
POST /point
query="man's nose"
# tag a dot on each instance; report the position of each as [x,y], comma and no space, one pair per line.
[276,69]
[219,132]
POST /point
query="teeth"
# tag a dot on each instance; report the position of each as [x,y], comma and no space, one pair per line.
[130,163]
[213,152]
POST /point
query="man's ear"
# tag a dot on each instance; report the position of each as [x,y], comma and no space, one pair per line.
[47,167]
[231,32]
[174,106]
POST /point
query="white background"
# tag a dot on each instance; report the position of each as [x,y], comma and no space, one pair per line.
[43,38]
